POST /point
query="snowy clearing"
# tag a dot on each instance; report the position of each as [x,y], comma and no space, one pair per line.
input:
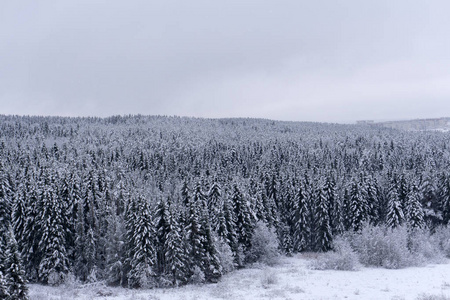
[290,279]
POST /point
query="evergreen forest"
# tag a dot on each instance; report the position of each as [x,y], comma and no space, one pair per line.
[148,201]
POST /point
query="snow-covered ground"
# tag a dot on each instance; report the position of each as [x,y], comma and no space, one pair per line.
[290,279]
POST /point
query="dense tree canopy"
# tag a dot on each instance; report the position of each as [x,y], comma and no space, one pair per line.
[146,201]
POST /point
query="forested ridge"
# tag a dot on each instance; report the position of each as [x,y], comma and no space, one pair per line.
[143,201]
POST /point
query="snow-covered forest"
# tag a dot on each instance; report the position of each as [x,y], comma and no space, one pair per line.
[140,202]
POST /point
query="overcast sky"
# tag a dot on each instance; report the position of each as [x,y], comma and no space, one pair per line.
[333,61]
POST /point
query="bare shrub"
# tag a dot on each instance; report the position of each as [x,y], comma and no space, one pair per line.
[264,247]
[423,247]
[432,297]
[198,277]
[268,278]
[225,255]
[343,258]
[383,247]
[441,238]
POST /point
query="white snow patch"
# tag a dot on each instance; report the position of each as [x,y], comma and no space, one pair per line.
[290,279]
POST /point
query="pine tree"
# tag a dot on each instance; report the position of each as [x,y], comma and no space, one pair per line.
[115,250]
[414,211]
[198,196]
[214,203]
[14,270]
[143,258]
[162,230]
[335,209]
[227,229]
[185,193]
[19,216]
[429,200]
[212,267]
[54,264]
[301,226]
[322,220]
[195,237]
[32,234]
[175,253]
[395,214]
[5,201]
[445,197]
[358,206]
[373,201]
[4,288]
[244,223]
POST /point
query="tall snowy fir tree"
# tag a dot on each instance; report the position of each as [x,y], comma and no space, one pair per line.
[357,206]
[395,215]
[414,210]
[243,217]
[214,203]
[322,220]
[14,270]
[176,257]
[300,220]
[4,290]
[142,254]
[54,264]
[444,184]
[162,230]
[195,237]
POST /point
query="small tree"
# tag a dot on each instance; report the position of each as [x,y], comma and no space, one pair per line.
[264,245]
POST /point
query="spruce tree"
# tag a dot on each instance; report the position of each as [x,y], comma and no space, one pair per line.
[322,220]
[444,183]
[358,211]
[195,237]
[143,258]
[32,234]
[14,270]
[212,267]
[5,201]
[214,203]
[414,211]
[395,215]
[4,287]
[301,225]
[175,253]
[244,222]
[54,264]
[115,247]
[162,230]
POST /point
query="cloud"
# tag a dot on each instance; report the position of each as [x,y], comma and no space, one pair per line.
[291,60]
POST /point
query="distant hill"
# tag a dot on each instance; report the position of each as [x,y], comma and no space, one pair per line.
[439,124]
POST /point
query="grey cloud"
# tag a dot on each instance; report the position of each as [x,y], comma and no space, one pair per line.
[296,60]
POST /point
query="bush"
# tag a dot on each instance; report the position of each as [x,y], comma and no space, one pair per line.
[268,278]
[198,277]
[341,258]
[382,247]
[441,238]
[432,297]
[225,255]
[264,246]
[423,247]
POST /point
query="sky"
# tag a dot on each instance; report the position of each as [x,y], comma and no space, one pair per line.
[324,61]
